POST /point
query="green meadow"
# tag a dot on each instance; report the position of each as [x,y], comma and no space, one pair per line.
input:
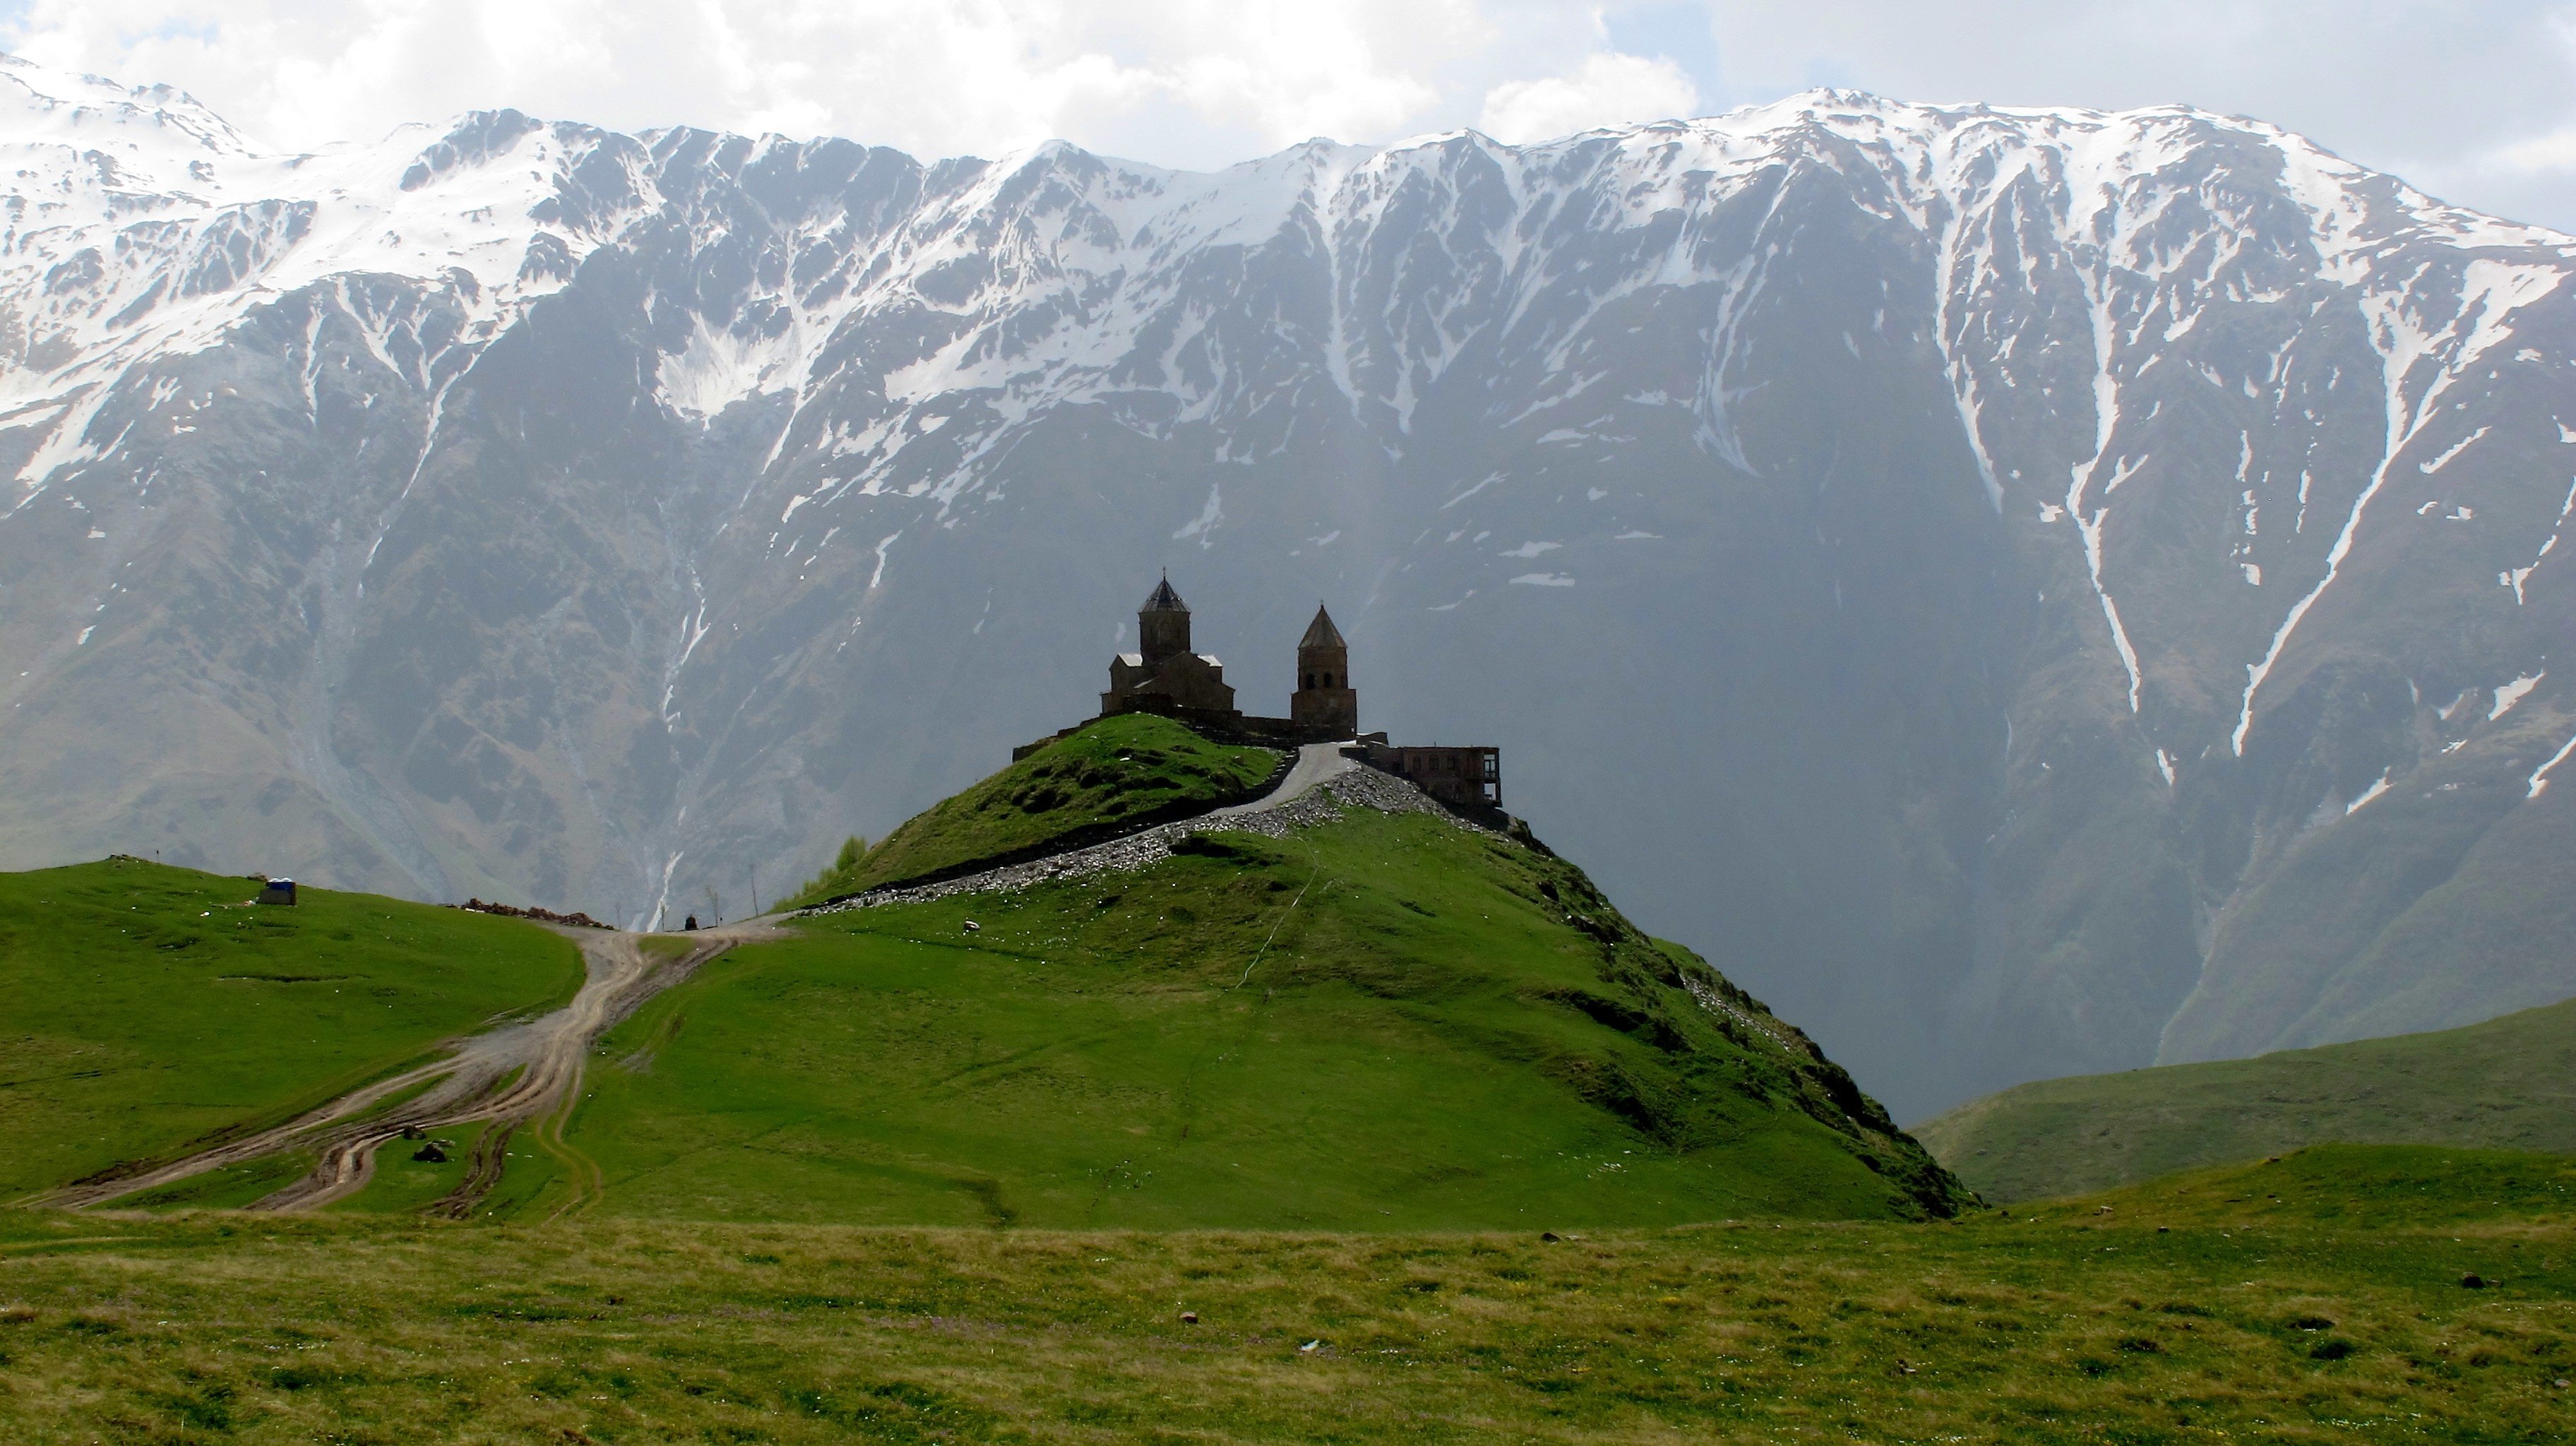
[144,1009]
[1114,775]
[1383,1022]
[2316,1300]
[1386,1129]
[2508,1083]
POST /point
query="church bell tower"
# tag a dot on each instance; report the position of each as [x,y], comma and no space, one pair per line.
[1324,700]
[1162,626]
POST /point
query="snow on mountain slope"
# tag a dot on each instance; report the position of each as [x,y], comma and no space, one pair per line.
[141,225]
[1986,553]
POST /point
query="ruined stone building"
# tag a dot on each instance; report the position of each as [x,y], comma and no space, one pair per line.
[1468,776]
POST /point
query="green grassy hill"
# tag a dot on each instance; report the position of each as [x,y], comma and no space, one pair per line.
[1116,774]
[1377,1021]
[143,1008]
[1386,1021]
[2318,1300]
[2364,1188]
[2509,1083]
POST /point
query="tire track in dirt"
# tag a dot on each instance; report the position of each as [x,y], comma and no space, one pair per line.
[526,1074]
[483,1166]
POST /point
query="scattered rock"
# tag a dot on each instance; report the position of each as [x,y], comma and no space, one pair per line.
[1189,1317]
[1549,1236]
[1359,788]
[1310,1347]
[430,1154]
[543,916]
[2473,1281]
[411,1132]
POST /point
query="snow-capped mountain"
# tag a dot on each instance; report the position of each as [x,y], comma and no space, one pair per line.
[2026,591]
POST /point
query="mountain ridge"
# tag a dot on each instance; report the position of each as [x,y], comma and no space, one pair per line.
[2001,571]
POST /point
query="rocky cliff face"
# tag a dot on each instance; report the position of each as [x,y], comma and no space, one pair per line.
[2024,592]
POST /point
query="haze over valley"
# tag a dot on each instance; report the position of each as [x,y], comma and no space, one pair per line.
[2023,592]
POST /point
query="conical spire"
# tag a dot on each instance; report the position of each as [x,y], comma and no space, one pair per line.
[1164,599]
[1324,703]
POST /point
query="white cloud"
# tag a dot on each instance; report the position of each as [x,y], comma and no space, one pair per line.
[1609,89]
[2539,155]
[2473,102]
[2433,90]
[1191,81]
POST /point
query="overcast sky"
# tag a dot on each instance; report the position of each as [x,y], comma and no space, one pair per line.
[2474,100]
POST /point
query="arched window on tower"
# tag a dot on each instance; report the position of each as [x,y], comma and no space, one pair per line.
[1328,680]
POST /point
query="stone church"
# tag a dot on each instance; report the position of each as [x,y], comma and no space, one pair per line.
[1166,675]
[1163,673]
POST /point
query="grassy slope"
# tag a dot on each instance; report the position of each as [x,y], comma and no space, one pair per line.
[2508,1083]
[143,1007]
[1427,1039]
[1117,773]
[2246,1319]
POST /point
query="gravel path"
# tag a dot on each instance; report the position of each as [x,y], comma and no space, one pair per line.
[1318,788]
[1316,765]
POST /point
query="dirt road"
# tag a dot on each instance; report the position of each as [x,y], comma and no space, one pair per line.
[521,1075]
[529,1075]
[1316,765]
